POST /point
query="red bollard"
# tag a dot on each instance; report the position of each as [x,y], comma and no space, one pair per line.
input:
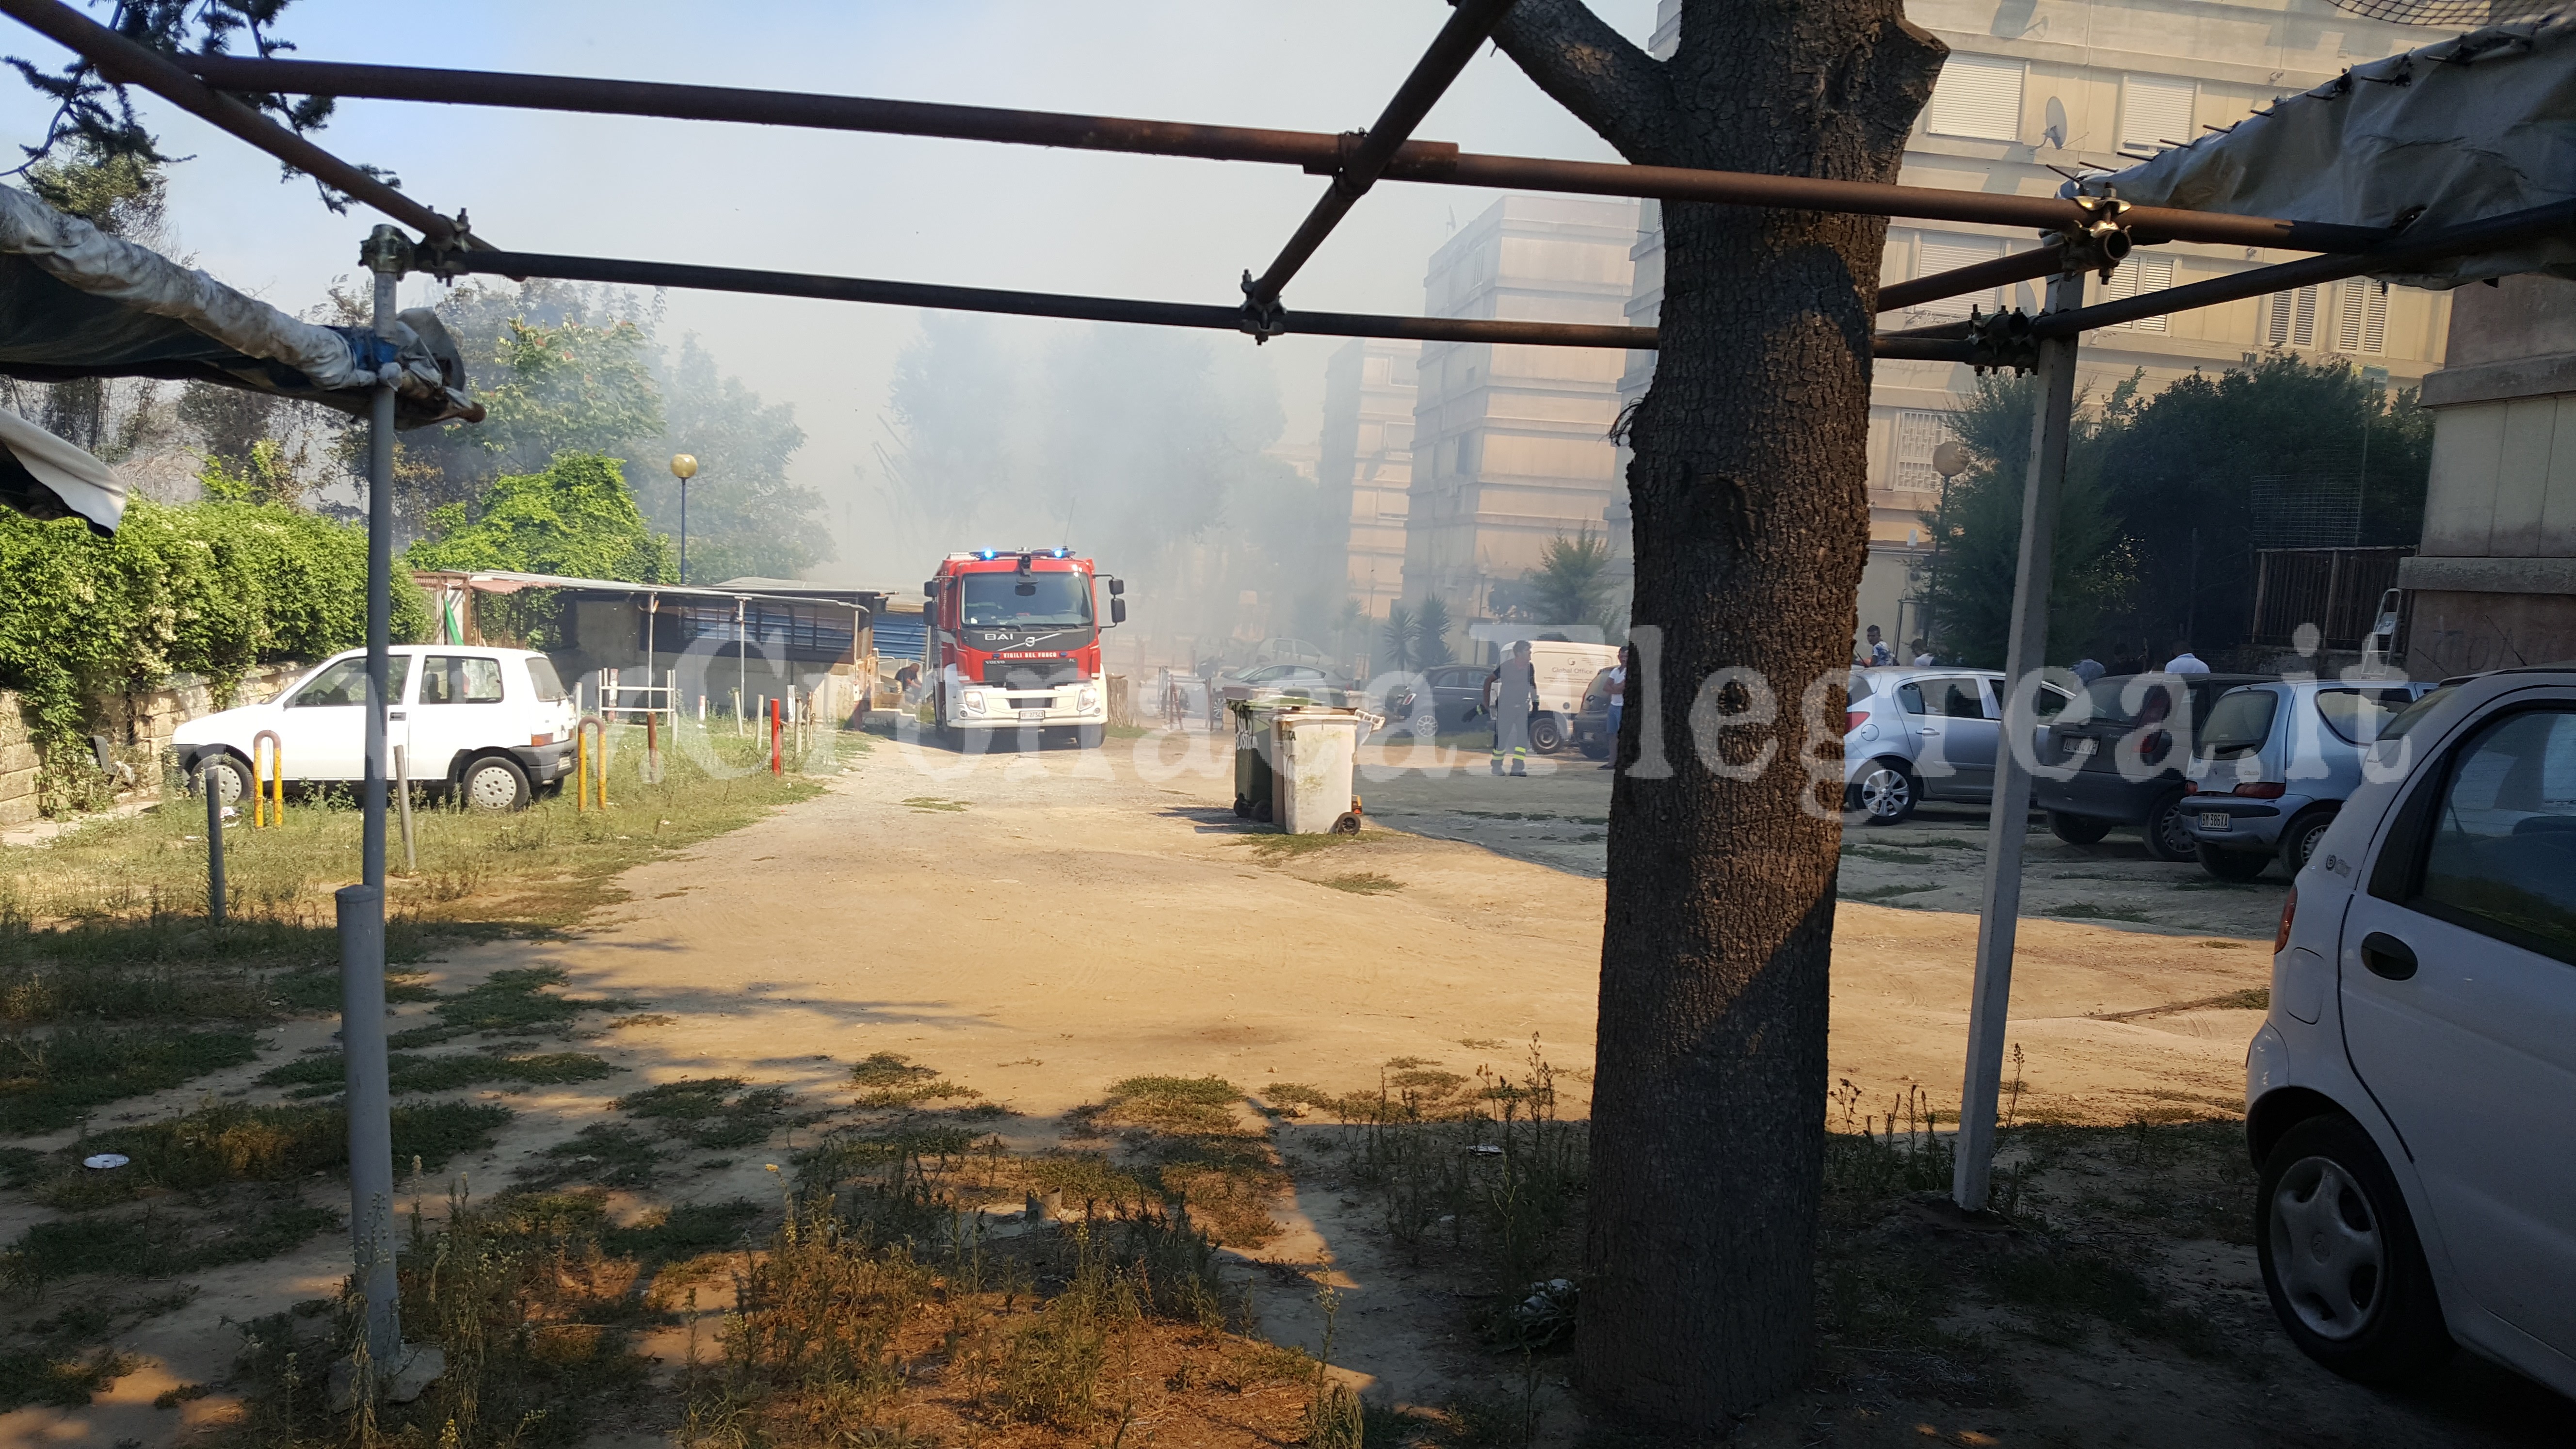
[776,765]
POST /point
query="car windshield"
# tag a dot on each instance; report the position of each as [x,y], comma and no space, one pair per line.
[2238,724]
[2131,699]
[2359,716]
[1048,600]
[345,683]
[541,673]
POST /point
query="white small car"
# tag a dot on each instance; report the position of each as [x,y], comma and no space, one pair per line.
[496,725]
[2408,1097]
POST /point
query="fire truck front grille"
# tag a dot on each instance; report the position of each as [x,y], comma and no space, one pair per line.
[1030,673]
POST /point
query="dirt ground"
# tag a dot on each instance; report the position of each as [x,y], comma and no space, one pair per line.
[1037,926]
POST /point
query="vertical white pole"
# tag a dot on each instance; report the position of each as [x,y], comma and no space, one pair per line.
[2008,825]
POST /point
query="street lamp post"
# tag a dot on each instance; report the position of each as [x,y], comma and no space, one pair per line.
[1949,460]
[684,467]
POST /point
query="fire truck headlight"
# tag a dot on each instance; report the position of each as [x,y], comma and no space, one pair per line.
[1088,700]
[974,701]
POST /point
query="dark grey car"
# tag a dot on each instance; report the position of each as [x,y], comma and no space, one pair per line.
[2128,759]
[1445,697]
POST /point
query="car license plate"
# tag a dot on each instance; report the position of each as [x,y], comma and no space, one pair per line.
[2217,820]
[2077,749]
[1032,716]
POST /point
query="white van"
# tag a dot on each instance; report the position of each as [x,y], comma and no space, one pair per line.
[495,724]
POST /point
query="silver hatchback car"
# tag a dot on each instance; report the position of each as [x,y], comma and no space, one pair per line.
[1924,733]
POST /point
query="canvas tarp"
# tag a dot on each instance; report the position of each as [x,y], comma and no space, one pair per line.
[76,302]
[44,477]
[2461,131]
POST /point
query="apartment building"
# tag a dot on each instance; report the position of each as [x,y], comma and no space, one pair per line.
[1366,464]
[2035,90]
[1510,442]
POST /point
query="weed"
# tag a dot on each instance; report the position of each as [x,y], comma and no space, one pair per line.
[1364,883]
[1888,855]
[888,1080]
[1174,1104]
[156,1246]
[48,1082]
[323,1073]
[1888,892]
[933,802]
[510,1002]
[1273,849]
[712,1112]
[60,1382]
[2061,1287]
[2086,911]
[228,1142]
[610,1154]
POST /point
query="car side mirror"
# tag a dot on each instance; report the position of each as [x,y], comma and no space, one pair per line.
[1117,611]
[930,588]
[1117,587]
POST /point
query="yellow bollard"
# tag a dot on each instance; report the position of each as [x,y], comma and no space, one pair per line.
[268,799]
[584,756]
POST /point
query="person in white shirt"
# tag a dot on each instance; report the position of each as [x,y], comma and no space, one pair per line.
[2184,661]
[1879,652]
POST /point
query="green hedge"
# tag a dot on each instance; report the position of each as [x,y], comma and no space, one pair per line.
[205,588]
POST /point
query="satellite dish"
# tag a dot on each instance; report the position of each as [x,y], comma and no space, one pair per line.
[2056,129]
[1950,459]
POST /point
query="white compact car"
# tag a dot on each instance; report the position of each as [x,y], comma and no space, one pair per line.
[496,725]
[2407,1101]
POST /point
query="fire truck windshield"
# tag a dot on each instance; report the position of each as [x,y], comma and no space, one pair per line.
[1018,601]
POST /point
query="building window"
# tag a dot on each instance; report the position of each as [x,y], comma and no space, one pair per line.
[2361,318]
[1979,96]
[1917,434]
[2140,275]
[1947,252]
[2290,318]
[2155,112]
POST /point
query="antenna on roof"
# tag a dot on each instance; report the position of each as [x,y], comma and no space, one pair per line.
[1068,523]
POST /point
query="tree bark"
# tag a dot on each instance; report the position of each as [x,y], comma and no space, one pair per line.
[1748,486]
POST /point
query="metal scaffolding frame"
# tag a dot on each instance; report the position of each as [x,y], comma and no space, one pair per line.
[2082,233]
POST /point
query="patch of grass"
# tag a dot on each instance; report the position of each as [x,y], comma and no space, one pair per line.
[933,802]
[153,1245]
[230,1142]
[1364,883]
[712,1112]
[1174,1104]
[1277,849]
[2086,911]
[51,1081]
[315,990]
[889,1080]
[1888,892]
[650,1018]
[510,1002]
[60,1381]
[2062,1287]
[324,1073]
[611,1154]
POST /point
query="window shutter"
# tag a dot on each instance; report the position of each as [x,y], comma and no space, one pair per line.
[2361,323]
[1917,434]
[2136,275]
[1979,96]
[2290,318]
[1947,252]
[2155,112]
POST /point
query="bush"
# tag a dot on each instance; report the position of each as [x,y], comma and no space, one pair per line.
[205,588]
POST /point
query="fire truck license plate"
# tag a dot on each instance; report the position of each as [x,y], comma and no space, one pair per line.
[1032,716]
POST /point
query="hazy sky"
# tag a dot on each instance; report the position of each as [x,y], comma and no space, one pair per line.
[875,206]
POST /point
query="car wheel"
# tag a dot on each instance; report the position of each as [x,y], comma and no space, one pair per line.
[1426,725]
[226,775]
[494,782]
[2340,1258]
[2077,829]
[2237,865]
[2168,836]
[1887,790]
[1546,735]
[2299,841]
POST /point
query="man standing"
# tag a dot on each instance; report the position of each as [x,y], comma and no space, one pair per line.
[2184,661]
[1515,695]
[1618,702]
[1880,653]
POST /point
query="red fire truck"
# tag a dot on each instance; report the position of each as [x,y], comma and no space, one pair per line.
[1014,642]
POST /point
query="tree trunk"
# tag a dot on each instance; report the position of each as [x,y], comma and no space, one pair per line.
[1751,526]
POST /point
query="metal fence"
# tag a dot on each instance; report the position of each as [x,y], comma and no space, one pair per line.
[2336,589]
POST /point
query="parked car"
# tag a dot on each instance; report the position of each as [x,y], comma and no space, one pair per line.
[1440,699]
[494,725]
[2419,1053]
[1590,726]
[1911,735]
[2123,763]
[2275,762]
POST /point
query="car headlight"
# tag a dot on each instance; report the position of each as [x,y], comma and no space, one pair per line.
[974,701]
[1088,700]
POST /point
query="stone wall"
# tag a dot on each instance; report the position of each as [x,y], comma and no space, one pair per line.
[136,725]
